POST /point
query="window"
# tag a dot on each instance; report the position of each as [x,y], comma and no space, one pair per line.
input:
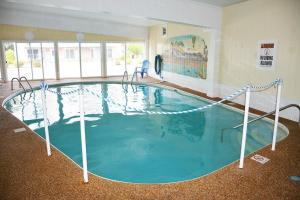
[33,53]
[109,52]
[69,66]
[70,54]
[115,59]
[135,54]
[10,55]
[90,59]
[36,60]
[48,60]
[24,61]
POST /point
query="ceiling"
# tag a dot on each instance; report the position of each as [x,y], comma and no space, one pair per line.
[220,3]
[34,6]
[55,7]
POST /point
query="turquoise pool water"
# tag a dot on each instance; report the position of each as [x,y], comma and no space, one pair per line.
[126,145]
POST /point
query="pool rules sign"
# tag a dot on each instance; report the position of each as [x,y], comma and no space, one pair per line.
[266,56]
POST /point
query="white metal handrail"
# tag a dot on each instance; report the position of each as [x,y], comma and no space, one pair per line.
[278,84]
[12,83]
[20,84]
[23,77]
[247,90]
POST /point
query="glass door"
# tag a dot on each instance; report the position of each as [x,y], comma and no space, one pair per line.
[69,66]
[10,55]
[35,53]
[115,59]
[90,59]
[135,54]
[48,58]
[24,61]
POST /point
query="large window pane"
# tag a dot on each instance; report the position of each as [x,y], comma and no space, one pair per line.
[24,61]
[35,54]
[11,60]
[135,54]
[90,59]
[115,59]
[48,60]
[69,66]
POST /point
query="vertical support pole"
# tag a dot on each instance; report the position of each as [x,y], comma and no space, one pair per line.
[43,93]
[17,58]
[80,63]
[243,144]
[30,49]
[83,141]
[56,58]
[42,58]
[279,85]
[103,60]
[125,56]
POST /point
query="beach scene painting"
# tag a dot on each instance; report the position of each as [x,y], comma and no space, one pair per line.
[186,55]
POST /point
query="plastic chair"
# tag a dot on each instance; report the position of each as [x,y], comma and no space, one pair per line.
[144,69]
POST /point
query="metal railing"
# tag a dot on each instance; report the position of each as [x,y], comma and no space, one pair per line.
[134,74]
[20,84]
[278,85]
[12,83]
[260,117]
[245,90]
[23,77]
[125,74]
[271,113]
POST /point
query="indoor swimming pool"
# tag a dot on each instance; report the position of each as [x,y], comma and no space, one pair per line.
[125,143]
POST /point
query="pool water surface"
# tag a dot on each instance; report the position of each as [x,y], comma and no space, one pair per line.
[124,144]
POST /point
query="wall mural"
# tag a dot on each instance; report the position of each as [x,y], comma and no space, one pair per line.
[186,55]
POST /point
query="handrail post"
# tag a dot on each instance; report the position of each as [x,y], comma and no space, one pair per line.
[23,77]
[244,137]
[43,93]
[279,85]
[83,140]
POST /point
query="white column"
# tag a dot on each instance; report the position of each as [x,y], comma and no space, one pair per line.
[279,85]
[213,63]
[244,137]
[103,60]
[83,141]
[42,58]
[2,63]
[56,51]
[80,63]
[43,93]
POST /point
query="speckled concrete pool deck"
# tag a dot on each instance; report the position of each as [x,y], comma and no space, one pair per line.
[26,172]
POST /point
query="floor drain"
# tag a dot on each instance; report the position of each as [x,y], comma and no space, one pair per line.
[295,178]
[260,159]
[19,130]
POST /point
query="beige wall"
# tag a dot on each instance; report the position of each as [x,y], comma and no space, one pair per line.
[10,32]
[244,25]
[156,41]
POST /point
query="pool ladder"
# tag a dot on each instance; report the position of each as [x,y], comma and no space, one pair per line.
[263,116]
[20,84]
[125,87]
